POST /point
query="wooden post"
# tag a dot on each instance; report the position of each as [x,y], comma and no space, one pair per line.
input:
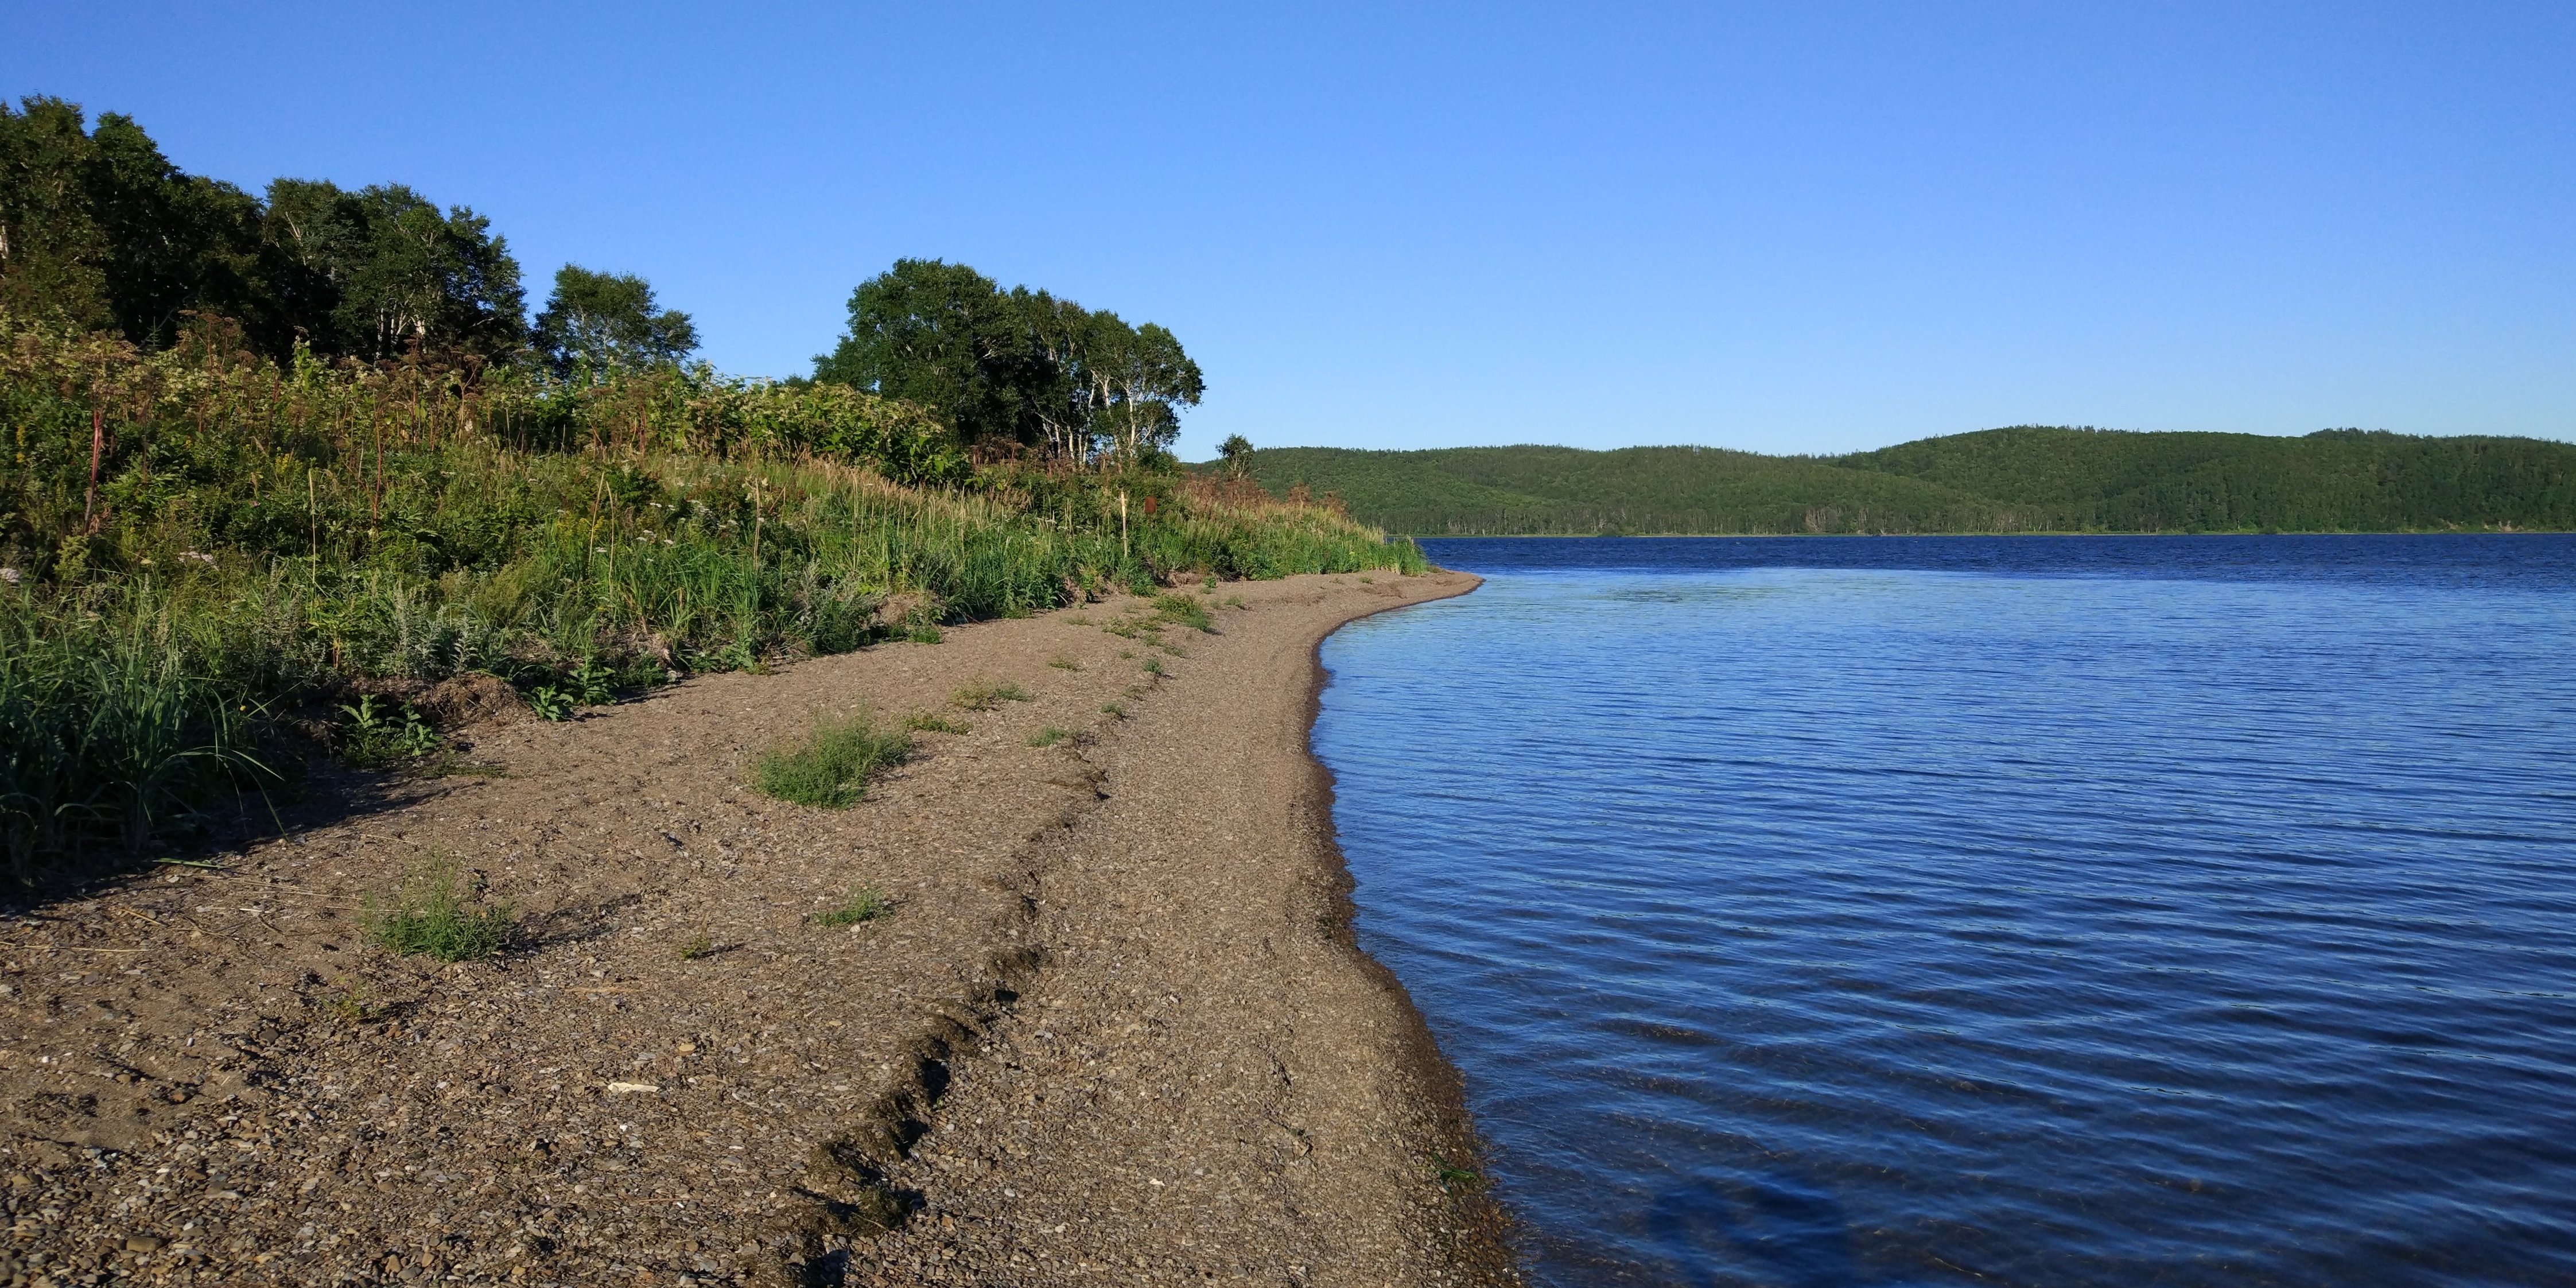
[97,445]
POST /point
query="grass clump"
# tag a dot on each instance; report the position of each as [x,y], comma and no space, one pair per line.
[931,722]
[831,767]
[1064,664]
[865,903]
[1185,610]
[986,696]
[696,946]
[1049,736]
[435,912]
[1153,666]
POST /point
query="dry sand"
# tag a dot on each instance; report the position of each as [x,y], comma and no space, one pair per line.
[1114,1031]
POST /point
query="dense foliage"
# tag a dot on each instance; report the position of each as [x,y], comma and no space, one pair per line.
[200,546]
[2023,479]
[99,231]
[1019,369]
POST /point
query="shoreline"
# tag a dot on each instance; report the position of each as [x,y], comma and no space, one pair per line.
[1117,1027]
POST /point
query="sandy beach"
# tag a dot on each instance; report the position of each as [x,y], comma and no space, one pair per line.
[1114,1030]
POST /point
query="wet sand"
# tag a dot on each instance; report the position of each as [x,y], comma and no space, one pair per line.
[1115,1029]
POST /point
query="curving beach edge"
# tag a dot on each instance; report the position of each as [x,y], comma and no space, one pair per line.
[1114,1029]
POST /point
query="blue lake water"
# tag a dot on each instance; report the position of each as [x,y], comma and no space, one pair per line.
[2040,911]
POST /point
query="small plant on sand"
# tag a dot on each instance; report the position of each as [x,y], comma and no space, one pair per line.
[831,767]
[1209,586]
[986,696]
[1235,601]
[931,722]
[923,634]
[1454,1178]
[430,913]
[864,904]
[1153,666]
[354,1004]
[1049,736]
[590,683]
[1113,710]
[1065,664]
[1184,610]
[550,703]
[697,946]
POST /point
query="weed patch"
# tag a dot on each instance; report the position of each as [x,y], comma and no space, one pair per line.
[372,738]
[430,914]
[831,767]
[863,904]
[1049,736]
[986,696]
[929,722]
[1064,664]
[1184,610]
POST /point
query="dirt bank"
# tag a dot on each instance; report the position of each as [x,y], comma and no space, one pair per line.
[1114,1030]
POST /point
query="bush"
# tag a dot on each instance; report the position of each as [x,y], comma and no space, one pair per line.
[831,768]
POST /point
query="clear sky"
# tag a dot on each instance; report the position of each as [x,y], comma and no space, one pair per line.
[1786,227]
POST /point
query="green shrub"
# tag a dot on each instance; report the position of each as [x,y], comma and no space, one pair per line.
[430,914]
[831,767]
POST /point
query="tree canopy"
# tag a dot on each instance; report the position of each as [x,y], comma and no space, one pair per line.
[1020,368]
[606,322]
[98,230]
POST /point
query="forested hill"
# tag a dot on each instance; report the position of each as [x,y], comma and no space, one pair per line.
[2022,479]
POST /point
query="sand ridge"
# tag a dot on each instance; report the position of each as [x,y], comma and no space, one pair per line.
[1116,1029]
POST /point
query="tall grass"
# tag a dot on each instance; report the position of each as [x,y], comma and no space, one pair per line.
[260,539]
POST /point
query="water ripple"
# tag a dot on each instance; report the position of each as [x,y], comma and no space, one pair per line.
[2011,911]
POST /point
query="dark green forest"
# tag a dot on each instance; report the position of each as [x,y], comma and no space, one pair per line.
[2023,479]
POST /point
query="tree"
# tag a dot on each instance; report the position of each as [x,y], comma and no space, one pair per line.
[607,322]
[1237,451]
[918,332]
[1023,367]
[1143,379]
[52,253]
[371,273]
[176,243]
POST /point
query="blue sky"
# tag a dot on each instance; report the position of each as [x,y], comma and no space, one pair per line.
[1789,227]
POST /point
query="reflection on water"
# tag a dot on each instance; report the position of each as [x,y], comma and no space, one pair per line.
[2000,911]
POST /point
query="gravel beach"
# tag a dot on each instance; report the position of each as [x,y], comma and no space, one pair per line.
[1114,1028]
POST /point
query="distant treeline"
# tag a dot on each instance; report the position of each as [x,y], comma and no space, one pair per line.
[2023,479]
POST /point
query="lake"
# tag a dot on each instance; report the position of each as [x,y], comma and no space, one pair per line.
[2049,911]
